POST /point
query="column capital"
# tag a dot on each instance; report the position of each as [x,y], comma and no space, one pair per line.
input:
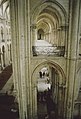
[33,26]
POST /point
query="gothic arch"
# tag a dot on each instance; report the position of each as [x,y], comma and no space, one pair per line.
[52,17]
[3,51]
[52,64]
[62,77]
[57,8]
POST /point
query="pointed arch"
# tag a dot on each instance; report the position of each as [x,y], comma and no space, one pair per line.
[52,64]
[57,8]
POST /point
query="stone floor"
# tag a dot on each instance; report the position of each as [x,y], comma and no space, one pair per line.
[8,106]
[8,109]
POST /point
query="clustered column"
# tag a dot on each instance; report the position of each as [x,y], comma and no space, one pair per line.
[72,55]
[20,27]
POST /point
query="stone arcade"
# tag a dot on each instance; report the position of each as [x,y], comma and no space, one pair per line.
[59,23]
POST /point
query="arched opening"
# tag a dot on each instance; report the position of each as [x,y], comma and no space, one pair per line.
[3,54]
[48,82]
[51,19]
[40,34]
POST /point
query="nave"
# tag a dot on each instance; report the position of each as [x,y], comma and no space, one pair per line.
[8,105]
[22,23]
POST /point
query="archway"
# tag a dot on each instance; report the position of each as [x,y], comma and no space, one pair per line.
[40,34]
[51,17]
[57,78]
[3,51]
[53,14]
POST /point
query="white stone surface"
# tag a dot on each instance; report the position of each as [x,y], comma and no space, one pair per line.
[43,85]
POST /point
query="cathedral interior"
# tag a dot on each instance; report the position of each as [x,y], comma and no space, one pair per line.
[40,59]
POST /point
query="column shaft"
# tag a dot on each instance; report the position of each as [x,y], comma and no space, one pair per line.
[72,55]
[20,26]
